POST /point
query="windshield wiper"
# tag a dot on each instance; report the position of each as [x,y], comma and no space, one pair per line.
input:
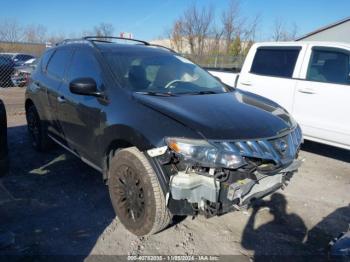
[200,93]
[152,93]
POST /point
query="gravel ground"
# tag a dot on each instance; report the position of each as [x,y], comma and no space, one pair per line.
[54,204]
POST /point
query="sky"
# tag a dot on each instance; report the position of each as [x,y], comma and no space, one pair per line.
[150,19]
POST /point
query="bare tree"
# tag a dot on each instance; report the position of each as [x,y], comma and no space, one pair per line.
[56,38]
[231,23]
[196,27]
[10,31]
[278,31]
[104,29]
[35,33]
[216,38]
[281,32]
[176,37]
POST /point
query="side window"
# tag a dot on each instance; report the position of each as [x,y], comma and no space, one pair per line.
[329,66]
[45,59]
[84,64]
[275,61]
[58,62]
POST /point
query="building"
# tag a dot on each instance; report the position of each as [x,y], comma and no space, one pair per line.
[337,32]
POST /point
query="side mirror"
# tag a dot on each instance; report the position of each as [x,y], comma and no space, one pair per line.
[84,86]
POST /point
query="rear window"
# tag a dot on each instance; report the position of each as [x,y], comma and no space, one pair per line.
[278,62]
[58,63]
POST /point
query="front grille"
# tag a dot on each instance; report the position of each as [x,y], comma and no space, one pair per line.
[281,149]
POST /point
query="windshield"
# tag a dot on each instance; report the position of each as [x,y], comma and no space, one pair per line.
[165,73]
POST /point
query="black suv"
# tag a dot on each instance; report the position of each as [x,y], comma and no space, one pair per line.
[168,138]
[3,140]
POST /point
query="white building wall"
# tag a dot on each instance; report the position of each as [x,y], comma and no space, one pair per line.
[338,33]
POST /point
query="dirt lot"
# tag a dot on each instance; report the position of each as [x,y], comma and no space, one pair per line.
[54,204]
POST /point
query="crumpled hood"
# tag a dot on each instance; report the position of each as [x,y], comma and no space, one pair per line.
[228,116]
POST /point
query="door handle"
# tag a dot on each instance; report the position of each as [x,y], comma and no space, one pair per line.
[246,83]
[309,91]
[37,84]
[61,99]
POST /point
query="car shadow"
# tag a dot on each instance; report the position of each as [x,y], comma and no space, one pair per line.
[52,203]
[326,150]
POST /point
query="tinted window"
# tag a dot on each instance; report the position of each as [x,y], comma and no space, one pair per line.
[45,59]
[329,66]
[84,64]
[275,61]
[59,62]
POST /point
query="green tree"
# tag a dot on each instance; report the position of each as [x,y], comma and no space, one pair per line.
[236,47]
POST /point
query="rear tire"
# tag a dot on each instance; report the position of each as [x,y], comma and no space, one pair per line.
[37,130]
[3,141]
[135,192]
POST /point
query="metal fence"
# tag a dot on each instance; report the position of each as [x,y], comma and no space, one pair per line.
[217,61]
[17,60]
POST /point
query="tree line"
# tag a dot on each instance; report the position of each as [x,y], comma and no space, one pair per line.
[200,32]
[12,31]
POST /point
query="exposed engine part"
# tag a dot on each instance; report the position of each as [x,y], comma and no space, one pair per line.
[226,190]
[194,187]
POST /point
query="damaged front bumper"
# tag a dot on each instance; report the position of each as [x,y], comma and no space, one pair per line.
[211,197]
[215,177]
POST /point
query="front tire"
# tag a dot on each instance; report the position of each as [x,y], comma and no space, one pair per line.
[37,130]
[135,192]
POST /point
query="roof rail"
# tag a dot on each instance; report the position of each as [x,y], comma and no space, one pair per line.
[71,40]
[166,48]
[91,39]
[105,38]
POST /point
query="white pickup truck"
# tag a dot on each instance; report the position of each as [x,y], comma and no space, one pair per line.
[309,79]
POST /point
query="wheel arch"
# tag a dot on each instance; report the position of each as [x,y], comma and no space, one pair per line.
[29,102]
[120,137]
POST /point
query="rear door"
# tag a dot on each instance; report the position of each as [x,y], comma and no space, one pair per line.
[322,98]
[80,115]
[271,73]
[51,80]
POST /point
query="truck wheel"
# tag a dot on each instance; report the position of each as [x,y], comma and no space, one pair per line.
[136,195]
[37,130]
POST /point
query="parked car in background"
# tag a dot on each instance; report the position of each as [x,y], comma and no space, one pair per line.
[169,138]
[309,79]
[6,70]
[19,58]
[21,74]
[3,140]
[8,62]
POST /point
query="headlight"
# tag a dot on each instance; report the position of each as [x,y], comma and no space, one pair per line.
[205,154]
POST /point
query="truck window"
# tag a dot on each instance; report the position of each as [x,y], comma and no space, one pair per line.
[59,62]
[329,66]
[275,61]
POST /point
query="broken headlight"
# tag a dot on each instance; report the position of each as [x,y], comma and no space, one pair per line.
[205,154]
